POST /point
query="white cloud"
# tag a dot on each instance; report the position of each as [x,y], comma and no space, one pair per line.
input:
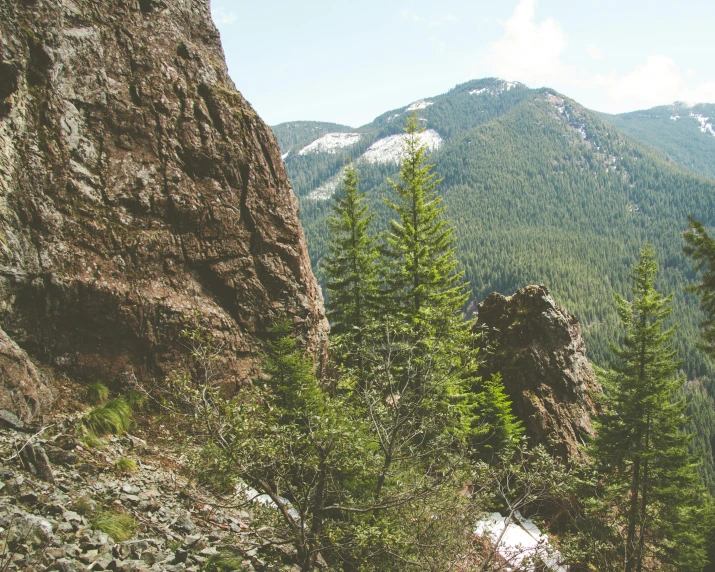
[594,52]
[658,81]
[223,18]
[529,51]
[411,16]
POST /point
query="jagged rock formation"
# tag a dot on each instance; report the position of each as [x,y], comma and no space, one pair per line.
[137,186]
[539,350]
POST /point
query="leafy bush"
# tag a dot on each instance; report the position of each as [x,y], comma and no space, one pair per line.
[97,393]
[114,417]
[119,526]
[125,465]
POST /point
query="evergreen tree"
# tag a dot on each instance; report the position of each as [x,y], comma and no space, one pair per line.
[701,248]
[420,276]
[640,446]
[350,267]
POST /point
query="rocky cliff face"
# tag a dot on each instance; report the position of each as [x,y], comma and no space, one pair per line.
[137,188]
[539,350]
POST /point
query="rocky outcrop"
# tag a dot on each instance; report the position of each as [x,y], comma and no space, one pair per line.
[23,390]
[539,350]
[139,192]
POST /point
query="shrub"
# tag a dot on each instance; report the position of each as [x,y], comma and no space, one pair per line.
[119,526]
[113,417]
[136,400]
[224,561]
[83,506]
[92,441]
[125,465]
[97,393]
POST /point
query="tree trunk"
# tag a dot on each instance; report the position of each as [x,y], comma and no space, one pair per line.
[633,516]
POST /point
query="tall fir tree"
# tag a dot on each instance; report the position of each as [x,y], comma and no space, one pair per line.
[701,248]
[420,266]
[640,446]
[350,268]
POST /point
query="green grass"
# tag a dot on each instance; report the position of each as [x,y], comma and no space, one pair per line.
[97,393]
[119,526]
[125,465]
[92,441]
[113,417]
[136,400]
[225,561]
[83,506]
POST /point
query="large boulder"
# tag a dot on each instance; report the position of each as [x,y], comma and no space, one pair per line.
[539,350]
[140,194]
[24,391]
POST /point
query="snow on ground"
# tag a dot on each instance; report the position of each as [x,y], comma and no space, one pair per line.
[522,540]
[497,89]
[394,116]
[327,189]
[390,149]
[285,155]
[705,127]
[421,104]
[675,117]
[330,143]
[251,494]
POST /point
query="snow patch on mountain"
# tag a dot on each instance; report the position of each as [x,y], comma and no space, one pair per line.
[285,155]
[328,188]
[705,127]
[390,149]
[675,117]
[501,87]
[421,104]
[521,542]
[330,143]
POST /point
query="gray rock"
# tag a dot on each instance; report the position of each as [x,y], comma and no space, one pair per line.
[35,460]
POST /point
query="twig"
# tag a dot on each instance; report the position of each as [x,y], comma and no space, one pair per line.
[27,443]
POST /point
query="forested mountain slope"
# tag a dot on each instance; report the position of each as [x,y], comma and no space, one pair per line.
[540,190]
[685,133]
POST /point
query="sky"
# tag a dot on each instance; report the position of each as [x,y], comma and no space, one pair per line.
[348,62]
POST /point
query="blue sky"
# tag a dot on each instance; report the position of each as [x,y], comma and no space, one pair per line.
[347,62]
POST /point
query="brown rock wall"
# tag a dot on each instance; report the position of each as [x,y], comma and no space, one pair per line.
[137,187]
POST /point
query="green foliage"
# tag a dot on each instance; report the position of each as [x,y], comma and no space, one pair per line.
[674,131]
[119,526]
[83,506]
[224,561]
[640,447]
[701,248]
[350,267]
[534,202]
[418,253]
[97,393]
[136,400]
[497,426]
[125,465]
[113,417]
[92,441]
